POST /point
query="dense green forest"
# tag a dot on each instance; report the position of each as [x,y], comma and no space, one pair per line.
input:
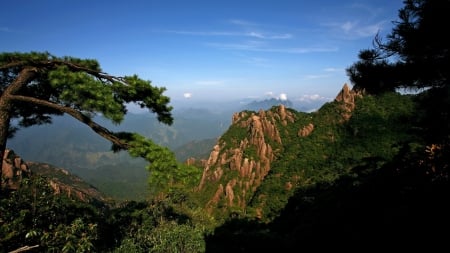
[372,174]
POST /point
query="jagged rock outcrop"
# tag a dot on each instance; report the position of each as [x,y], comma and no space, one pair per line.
[306,130]
[14,170]
[250,158]
[63,182]
[347,97]
[237,167]
[192,161]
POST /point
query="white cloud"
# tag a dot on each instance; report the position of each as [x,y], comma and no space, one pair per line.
[187,95]
[332,69]
[283,96]
[347,26]
[309,77]
[256,35]
[270,94]
[312,97]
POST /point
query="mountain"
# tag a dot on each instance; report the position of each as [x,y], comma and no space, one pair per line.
[80,147]
[266,104]
[265,156]
[198,150]
[355,172]
[63,182]
[15,171]
[68,144]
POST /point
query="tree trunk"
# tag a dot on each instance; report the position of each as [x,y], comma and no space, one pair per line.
[4,127]
[6,105]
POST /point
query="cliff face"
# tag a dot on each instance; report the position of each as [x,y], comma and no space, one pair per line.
[14,170]
[236,167]
[63,182]
[347,97]
[248,161]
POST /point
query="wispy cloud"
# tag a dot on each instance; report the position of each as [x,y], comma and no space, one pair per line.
[358,20]
[309,77]
[312,97]
[355,29]
[205,33]
[370,12]
[328,72]
[258,30]
[270,36]
[254,60]
[331,69]
[251,34]
[240,28]
[242,22]
[262,47]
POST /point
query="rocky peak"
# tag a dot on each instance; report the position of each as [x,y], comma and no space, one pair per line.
[347,97]
[14,170]
[250,158]
[237,167]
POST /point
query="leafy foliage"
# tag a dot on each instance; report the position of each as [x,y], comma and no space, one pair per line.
[35,215]
[36,85]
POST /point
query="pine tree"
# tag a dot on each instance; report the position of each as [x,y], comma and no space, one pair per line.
[35,86]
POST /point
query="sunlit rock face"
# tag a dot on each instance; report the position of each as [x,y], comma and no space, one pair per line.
[306,130]
[249,168]
[14,170]
[234,170]
[347,97]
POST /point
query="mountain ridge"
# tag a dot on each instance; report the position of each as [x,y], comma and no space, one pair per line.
[242,158]
[15,171]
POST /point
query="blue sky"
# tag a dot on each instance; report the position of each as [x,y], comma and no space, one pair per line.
[207,50]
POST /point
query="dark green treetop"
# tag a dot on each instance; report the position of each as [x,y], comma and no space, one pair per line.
[415,55]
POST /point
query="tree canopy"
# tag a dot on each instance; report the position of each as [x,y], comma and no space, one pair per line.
[415,54]
[36,86]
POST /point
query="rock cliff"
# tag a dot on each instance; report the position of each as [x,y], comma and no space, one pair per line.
[239,163]
[14,170]
[347,97]
[248,159]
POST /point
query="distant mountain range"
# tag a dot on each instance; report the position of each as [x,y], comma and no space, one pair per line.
[63,182]
[266,104]
[68,144]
